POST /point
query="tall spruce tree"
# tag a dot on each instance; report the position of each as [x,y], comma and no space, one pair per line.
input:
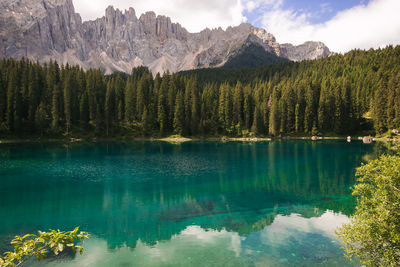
[339,94]
[179,114]
[68,84]
[110,107]
[130,99]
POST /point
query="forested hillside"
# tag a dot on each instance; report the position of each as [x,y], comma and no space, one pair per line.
[334,95]
[252,56]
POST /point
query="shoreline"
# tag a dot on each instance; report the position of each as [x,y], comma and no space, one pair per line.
[181,139]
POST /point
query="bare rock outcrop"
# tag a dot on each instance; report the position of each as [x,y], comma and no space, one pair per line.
[308,50]
[50,29]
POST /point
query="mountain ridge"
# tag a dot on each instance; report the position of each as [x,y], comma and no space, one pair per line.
[46,30]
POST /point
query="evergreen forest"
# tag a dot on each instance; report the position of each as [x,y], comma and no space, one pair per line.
[358,92]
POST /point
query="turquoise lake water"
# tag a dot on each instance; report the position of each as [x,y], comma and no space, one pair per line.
[194,204]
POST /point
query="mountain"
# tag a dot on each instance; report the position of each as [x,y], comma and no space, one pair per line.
[46,30]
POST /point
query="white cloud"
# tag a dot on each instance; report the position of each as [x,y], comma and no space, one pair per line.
[193,15]
[194,243]
[325,8]
[250,6]
[185,249]
[261,5]
[374,25]
[285,229]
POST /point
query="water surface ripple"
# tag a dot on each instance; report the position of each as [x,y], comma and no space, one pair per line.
[194,204]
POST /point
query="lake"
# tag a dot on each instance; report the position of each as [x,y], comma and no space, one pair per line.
[193,204]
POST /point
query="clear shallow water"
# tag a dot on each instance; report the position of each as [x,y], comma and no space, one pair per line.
[198,204]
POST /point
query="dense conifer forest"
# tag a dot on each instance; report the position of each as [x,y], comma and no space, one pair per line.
[337,95]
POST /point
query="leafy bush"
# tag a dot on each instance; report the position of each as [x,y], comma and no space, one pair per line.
[373,234]
[41,245]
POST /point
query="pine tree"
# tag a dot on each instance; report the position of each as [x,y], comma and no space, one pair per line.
[18,110]
[248,107]
[225,113]
[222,105]
[98,119]
[11,92]
[34,96]
[323,111]
[161,112]
[238,117]
[146,123]
[91,91]
[283,111]
[110,107]
[291,101]
[130,99]
[327,95]
[119,86]
[274,117]
[265,115]
[179,114]
[396,87]
[309,113]
[3,102]
[55,111]
[142,97]
[391,104]
[257,127]
[84,111]
[67,101]
[347,100]
[172,91]
[195,108]
[41,118]
[300,111]
[209,110]
[187,106]
[380,108]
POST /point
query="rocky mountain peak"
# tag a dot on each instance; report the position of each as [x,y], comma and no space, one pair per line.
[311,50]
[24,11]
[131,14]
[264,35]
[148,18]
[111,14]
[50,29]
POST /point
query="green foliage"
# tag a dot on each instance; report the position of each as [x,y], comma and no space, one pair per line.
[328,95]
[251,56]
[67,102]
[41,118]
[41,245]
[373,234]
[179,115]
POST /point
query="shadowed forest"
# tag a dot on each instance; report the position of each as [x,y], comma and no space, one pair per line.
[338,95]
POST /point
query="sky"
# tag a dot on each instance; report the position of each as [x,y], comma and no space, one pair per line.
[341,24]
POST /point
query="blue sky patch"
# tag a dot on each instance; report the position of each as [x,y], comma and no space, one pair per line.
[318,11]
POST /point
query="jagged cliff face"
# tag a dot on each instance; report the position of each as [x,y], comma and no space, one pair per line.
[50,29]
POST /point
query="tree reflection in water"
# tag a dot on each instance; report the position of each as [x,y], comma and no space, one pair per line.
[154,196]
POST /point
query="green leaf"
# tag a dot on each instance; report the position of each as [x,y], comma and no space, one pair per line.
[26,247]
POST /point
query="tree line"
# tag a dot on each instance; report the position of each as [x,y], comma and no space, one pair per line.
[340,94]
